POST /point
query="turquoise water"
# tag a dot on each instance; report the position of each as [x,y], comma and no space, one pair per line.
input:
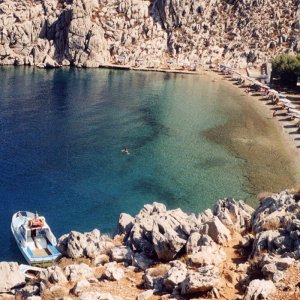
[62,132]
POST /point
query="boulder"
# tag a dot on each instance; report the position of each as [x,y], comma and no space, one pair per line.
[260,289]
[81,286]
[234,214]
[113,272]
[141,261]
[209,255]
[10,276]
[203,279]
[121,254]
[217,231]
[145,295]
[77,272]
[160,233]
[196,241]
[54,275]
[125,224]
[176,275]
[154,277]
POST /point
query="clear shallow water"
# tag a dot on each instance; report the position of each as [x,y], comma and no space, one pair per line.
[61,135]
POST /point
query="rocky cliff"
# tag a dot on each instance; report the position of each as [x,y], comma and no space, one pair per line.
[147,33]
[229,252]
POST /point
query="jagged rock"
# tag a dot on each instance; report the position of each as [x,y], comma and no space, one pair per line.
[30,290]
[89,244]
[234,214]
[260,289]
[196,241]
[145,33]
[273,267]
[217,231]
[10,276]
[81,286]
[125,223]
[141,261]
[175,275]
[145,295]
[209,255]
[121,254]
[161,233]
[203,280]
[113,272]
[154,277]
[78,272]
[54,275]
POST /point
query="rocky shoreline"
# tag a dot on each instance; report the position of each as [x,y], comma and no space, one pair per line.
[229,252]
[148,34]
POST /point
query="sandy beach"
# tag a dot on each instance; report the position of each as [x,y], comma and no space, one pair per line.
[259,139]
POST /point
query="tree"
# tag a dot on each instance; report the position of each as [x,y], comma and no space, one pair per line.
[287,68]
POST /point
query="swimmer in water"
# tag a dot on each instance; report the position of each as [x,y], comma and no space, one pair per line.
[125,150]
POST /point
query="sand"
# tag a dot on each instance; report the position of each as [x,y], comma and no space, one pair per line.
[270,147]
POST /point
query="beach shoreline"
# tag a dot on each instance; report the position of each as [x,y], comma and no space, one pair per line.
[285,152]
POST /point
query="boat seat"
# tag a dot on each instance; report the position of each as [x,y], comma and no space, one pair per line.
[40,242]
[30,243]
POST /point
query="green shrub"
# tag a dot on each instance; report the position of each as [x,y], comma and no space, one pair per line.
[287,68]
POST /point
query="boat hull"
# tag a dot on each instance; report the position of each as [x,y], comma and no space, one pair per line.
[51,253]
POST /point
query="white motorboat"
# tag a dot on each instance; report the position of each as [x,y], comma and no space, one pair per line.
[34,238]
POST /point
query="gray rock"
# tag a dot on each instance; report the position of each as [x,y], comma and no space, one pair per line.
[81,286]
[234,214]
[209,255]
[125,224]
[175,275]
[77,272]
[141,261]
[260,289]
[54,275]
[154,277]
[145,295]
[10,276]
[121,254]
[113,272]
[217,231]
[203,280]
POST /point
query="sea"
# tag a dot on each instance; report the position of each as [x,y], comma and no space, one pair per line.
[62,132]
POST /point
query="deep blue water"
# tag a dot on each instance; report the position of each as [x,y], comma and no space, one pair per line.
[61,135]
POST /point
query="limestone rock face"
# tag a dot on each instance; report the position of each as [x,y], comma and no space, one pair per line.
[277,226]
[146,33]
[10,276]
[234,214]
[160,233]
[89,244]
